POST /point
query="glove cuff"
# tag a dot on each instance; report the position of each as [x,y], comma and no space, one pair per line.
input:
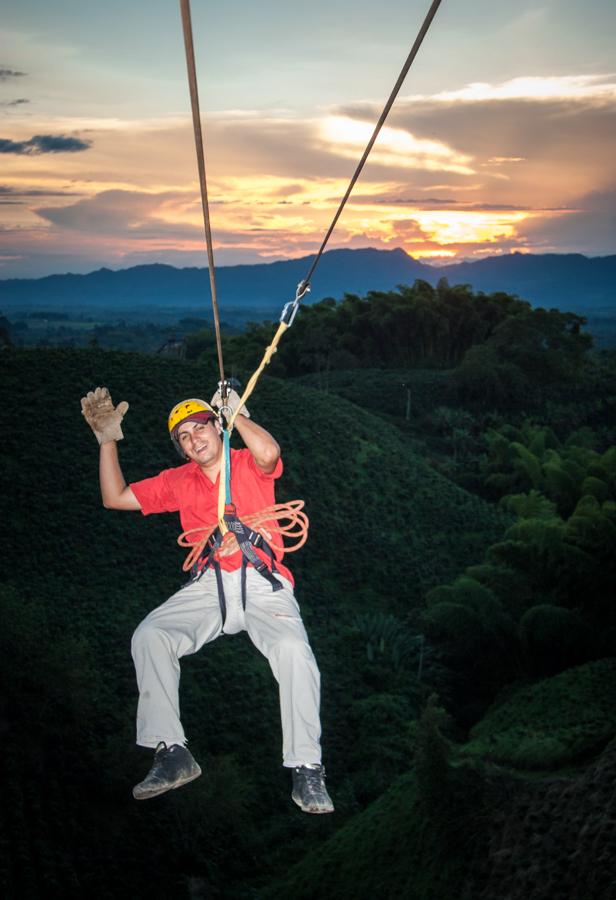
[110,434]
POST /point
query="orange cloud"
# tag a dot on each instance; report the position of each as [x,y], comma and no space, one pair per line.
[484,169]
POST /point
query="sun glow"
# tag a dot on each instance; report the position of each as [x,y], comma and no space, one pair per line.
[431,254]
[455,227]
[273,190]
[426,232]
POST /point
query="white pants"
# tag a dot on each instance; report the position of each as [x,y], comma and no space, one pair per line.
[192,618]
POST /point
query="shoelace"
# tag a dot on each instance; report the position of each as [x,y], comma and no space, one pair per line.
[160,755]
[163,748]
[159,758]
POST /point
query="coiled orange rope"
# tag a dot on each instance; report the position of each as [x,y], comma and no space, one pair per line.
[285,519]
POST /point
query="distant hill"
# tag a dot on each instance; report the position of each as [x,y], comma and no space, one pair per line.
[564,281]
[569,282]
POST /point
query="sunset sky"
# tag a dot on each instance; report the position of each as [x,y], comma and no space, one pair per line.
[503,137]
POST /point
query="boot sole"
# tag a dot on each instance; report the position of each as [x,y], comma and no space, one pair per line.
[170,787]
[309,809]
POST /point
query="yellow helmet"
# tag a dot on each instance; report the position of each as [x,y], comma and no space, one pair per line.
[186,410]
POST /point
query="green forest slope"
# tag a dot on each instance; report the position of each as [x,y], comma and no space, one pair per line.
[384,529]
[456,455]
[476,832]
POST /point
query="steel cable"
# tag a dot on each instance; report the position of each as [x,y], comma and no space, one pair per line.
[298,521]
[405,68]
[194,98]
[196,117]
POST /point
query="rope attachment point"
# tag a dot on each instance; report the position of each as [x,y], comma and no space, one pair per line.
[289,310]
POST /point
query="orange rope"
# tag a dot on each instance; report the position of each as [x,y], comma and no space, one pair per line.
[285,519]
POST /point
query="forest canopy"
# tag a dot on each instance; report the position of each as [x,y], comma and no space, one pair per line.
[456,452]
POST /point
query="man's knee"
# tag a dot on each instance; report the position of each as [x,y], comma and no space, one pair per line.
[145,634]
[294,648]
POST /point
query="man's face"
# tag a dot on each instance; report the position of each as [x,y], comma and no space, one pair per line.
[200,441]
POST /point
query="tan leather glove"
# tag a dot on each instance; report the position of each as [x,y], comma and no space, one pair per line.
[233,401]
[98,410]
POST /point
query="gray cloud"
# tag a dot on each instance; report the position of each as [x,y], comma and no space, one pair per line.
[19,102]
[588,228]
[288,190]
[130,214]
[8,191]
[494,129]
[438,203]
[528,151]
[286,149]
[44,143]
[132,218]
[5,73]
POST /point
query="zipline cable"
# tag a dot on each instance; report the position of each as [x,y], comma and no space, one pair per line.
[290,309]
[196,117]
[407,65]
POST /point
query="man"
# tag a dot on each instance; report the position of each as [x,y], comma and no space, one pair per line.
[249,590]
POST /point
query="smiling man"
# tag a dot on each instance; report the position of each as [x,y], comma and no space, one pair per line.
[248,590]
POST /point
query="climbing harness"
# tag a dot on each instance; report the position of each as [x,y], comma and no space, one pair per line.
[253,532]
[212,545]
[247,539]
[230,533]
[285,519]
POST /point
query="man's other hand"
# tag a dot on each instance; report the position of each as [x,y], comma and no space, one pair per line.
[233,401]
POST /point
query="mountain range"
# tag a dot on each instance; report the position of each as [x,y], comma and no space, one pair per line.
[570,282]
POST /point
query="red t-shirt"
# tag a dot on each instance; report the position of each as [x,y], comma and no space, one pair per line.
[188,491]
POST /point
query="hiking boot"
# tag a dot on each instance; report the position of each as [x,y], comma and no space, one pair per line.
[172,767]
[309,791]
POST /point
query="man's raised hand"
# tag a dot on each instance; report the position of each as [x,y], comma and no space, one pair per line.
[103,418]
[233,401]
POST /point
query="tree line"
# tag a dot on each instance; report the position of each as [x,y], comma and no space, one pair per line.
[418,326]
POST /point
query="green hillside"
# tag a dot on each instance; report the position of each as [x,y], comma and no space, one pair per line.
[385,528]
[475,832]
[456,455]
[342,460]
[556,722]
[388,392]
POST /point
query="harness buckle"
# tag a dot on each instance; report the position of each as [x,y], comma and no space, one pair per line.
[256,538]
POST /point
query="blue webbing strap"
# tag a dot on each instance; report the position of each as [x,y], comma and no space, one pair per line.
[227,452]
